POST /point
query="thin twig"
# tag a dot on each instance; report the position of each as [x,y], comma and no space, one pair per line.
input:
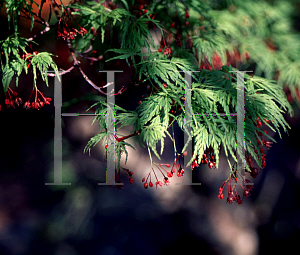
[76,62]
[62,72]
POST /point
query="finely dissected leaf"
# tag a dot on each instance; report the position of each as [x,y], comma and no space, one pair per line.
[14,7]
[12,46]
[8,74]
[165,69]
[93,141]
[43,61]
[97,16]
[152,134]
[126,53]
[127,119]
[135,34]
[213,30]
[14,67]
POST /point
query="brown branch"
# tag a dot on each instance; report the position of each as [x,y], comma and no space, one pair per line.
[98,88]
[76,62]
[47,28]
[62,72]
[41,21]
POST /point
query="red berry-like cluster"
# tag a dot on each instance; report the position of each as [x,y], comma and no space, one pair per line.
[260,142]
[129,174]
[65,30]
[158,182]
[38,102]
[164,47]
[12,100]
[176,168]
[118,177]
[233,195]
[247,187]
[139,8]
[181,23]
[174,107]
[207,158]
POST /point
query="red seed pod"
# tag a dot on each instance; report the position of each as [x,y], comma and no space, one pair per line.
[172,24]
[150,184]
[268,144]
[168,165]
[170,174]
[145,185]
[220,196]
[159,50]
[12,103]
[254,172]
[246,193]
[83,30]
[131,180]
[194,164]
[143,179]
[187,15]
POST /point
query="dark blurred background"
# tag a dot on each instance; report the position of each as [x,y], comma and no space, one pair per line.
[85,218]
